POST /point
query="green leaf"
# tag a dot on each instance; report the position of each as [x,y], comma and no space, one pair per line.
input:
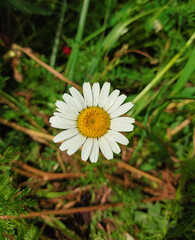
[26,7]
[185,75]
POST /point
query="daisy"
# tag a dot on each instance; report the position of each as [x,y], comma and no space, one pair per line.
[92,121]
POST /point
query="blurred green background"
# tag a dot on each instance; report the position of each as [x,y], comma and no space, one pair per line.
[143,48]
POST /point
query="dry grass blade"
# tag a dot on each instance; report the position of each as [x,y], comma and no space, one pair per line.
[46,175]
[28,52]
[193,151]
[135,170]
[27,131]
[180,126]
[64,211]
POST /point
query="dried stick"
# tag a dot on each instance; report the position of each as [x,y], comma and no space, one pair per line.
[60,161]
[193,152]
[64,211]
[46,66]
[135,170]
[22,172]
[41,140]
[27,131]
[153,61]
[46,175]
[180,126]
[4,100]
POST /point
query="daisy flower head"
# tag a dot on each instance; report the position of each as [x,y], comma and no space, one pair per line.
[92,121]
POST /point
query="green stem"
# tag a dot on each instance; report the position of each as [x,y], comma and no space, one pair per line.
[58,33]
[94,34]
[108,42]
[120,29]
[21,106]
[74,55]
[164,70]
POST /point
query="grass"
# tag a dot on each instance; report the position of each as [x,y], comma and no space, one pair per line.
[146,50]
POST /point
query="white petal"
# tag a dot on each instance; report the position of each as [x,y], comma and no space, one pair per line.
[121,110]
[95,151]
[114,146]
[59,110]
[62,106]
[118,137]
[117,103]
[104,94]
[87,94]
[66,115]
[62,123]
[55,119]
[96,93]
[71,102]
[116,126]
[65,135]
[65,145]
[105,148]
[76,144]
[86,149]
[51,119]
[111,99]
[78,97]
[123,120]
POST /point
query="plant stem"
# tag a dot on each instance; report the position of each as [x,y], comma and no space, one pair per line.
[75,51]
[164,70]
[58,33]
[93,35]
[64,211]
[46,66]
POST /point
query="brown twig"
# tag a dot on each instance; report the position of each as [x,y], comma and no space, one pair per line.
[133,185]
[175,105]
[193,151]
[119,181]
[41,140]
[180,126]
[139,124]
[4,100]
[22,172]
[8,236]
[13,106]
[137,171]
[60,161]
[152,199]
[26,130]
[77,191]
[45,175]
[64,211]
[120,53]
[153,61]
[169,189]
[46,66]
[69,204]
[117,55]
[29,168]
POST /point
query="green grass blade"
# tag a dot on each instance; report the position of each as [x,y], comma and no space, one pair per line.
[71,65]
[120,29]
[164,70]
[113,36]
[58,33]
[27,7]
[186,73]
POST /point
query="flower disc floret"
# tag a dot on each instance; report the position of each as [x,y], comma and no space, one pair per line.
[93,122]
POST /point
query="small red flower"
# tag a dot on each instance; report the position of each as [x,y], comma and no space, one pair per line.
[67,50]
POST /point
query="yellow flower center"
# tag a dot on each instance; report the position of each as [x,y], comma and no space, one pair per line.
[93,122]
